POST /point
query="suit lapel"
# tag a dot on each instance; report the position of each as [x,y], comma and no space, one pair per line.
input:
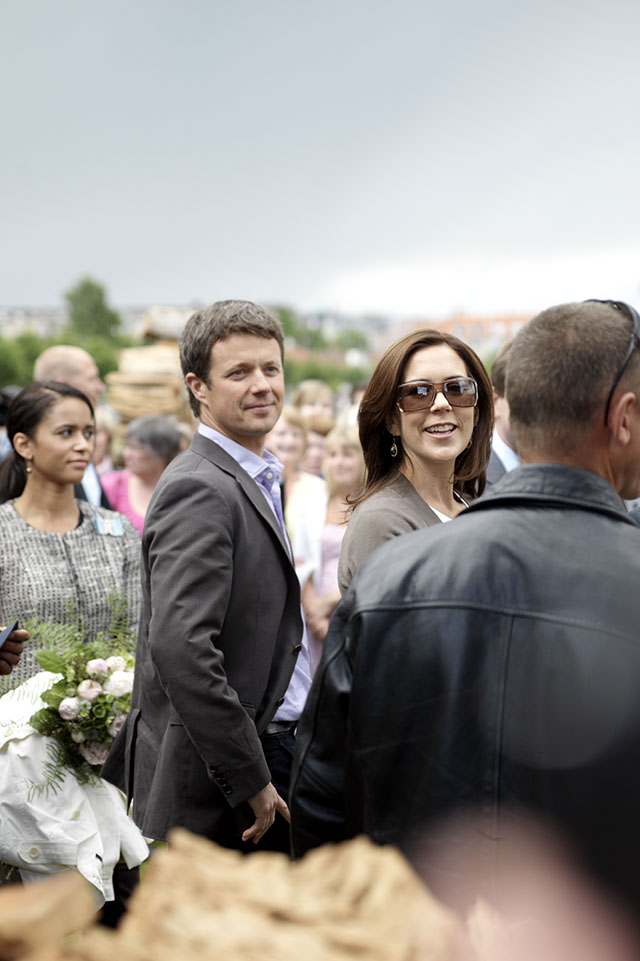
[214,453]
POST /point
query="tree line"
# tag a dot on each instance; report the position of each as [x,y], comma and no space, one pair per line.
[93,324]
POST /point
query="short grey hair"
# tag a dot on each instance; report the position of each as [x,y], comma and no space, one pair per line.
[560,370]
[158,432]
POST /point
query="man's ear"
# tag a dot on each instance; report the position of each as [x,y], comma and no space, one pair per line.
[195,385]
[23,446]
[623,420]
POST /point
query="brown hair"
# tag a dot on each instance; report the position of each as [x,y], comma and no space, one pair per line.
[217,322]
[499,368]
[379,403]
[307,391]
[561,367]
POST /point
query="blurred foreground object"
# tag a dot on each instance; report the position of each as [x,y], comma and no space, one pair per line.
[354,900]
[36,916]
[349,902]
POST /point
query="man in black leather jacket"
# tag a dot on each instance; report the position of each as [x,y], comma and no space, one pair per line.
[491,666]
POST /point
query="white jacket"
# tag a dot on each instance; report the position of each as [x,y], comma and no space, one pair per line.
[48,828]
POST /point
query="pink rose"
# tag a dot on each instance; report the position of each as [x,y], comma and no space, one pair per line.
[116,726]
[97,666]
[69,708]
[93,752]
[89,690]
[116,663]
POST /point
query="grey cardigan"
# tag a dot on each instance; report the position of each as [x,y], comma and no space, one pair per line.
[397,509]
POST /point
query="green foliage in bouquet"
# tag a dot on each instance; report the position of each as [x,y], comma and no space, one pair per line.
[88,705]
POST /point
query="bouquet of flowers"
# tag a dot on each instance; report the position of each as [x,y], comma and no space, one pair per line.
[90,697]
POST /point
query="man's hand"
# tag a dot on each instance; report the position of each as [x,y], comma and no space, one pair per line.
[11,650]
[265,805]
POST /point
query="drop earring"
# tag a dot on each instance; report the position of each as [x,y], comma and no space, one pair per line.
[394,448]
[28,468]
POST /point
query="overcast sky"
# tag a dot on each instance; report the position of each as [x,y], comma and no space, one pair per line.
[405,157]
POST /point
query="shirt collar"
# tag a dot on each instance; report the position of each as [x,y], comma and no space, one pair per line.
[252,463]
[506,454]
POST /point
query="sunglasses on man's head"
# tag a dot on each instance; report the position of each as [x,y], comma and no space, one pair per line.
[420,394]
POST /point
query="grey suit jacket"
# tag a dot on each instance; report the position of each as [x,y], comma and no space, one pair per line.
[495,468]
[219,635]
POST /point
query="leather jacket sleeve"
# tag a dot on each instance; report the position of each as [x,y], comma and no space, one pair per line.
[318,778]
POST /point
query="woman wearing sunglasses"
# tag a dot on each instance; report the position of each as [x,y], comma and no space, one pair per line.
[425,425]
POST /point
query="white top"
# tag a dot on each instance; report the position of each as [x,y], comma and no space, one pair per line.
[506,454]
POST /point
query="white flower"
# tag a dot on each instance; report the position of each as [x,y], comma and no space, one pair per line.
[116,726]
[69,708]
[116,663]
[97,666]
[89,690]
[119,684]
[77,736]
[94,752]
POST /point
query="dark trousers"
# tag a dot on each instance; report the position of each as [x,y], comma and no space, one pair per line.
[278,752]
[125,880]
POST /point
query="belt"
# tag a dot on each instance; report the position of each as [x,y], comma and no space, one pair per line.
[280,727]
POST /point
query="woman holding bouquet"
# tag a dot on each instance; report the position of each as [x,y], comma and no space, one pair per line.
[60,557]
[62,561]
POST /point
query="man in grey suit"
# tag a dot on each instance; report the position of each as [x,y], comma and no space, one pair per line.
[221,673]
[503,457]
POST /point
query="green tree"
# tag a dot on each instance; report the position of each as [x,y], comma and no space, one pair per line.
[12,365]
[89,313]
[312,369]
[349,339]
[290,325]
[104,353]
[304,336]
[30,346]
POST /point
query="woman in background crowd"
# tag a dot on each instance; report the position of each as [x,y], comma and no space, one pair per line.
[301,492]
[313,397]
[318,426]
[151,442]
[319,534]
[62,559]
[105,429]
[57,550]
[425,425]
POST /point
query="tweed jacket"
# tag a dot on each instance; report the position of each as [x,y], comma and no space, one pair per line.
[42,573]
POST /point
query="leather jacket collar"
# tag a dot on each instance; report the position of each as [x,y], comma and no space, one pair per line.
[554,483]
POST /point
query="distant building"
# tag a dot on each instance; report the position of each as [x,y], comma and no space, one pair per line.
[43,321]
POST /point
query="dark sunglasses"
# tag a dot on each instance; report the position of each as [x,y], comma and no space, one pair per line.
[420,394]
[633,343]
